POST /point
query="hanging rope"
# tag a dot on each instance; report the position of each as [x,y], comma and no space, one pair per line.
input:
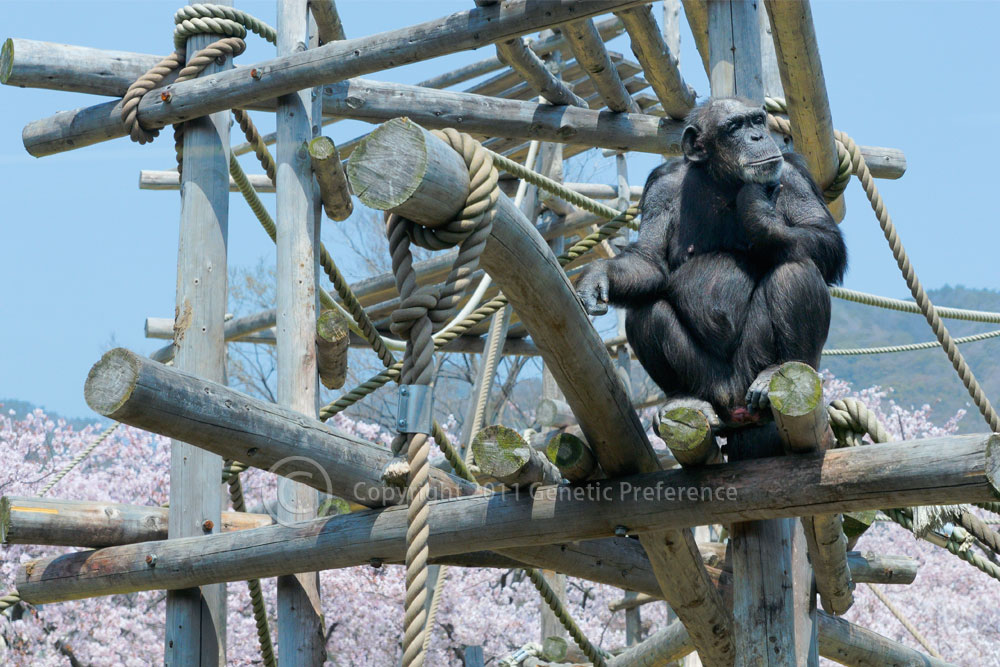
[846,145]
[912,629]
[910,307]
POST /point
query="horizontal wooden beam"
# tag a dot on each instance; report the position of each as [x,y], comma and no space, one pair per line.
[315,67]
[88,524]
[839,640]
[129,388]
[953,469]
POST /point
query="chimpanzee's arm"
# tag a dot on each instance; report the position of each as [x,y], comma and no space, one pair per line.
[792,221]
[640,271]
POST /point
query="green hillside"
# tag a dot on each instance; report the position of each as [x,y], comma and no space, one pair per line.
[918,377]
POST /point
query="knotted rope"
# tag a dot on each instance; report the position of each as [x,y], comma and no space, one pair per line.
[198,19]
[848,151]
[421,311]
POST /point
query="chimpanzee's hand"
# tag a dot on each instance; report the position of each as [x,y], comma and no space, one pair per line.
[592,289]
[753,196]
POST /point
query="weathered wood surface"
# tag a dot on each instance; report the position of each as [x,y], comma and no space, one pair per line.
[554,413]
[850,644]
[805,88]
[136,391]
[196,618]
[83,523]
[297,218]
[329,27]
[532,69]
[502,453]
[796,396]
[659,63]
[375,101]
[31,63]
[332,341]
[588,48]
[948,470]
[839,640]
[696,12]
[315,67]
[575,460]
[329,171]
[235,329]
[734,49]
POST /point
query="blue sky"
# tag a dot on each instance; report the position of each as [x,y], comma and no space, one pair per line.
[86,256]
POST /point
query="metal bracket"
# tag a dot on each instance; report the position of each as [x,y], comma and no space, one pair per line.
[415,413]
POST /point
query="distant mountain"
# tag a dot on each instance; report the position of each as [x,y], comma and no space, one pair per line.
[22,408]
[920,377]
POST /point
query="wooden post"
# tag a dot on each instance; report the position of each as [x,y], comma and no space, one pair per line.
[769,627]
[588,48]
[196,618]
[300,625]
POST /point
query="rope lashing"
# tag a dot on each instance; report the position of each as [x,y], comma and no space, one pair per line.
[198,19]
[548,594]
[846,145]
[952,543]
[419,312]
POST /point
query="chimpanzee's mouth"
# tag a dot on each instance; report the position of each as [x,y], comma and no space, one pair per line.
[764,161]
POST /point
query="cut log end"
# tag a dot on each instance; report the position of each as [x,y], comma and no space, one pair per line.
[111,381]
[6,60]
[378,154]
[322,148]
[500,451]
[796,389]
[572,456]
[688,434]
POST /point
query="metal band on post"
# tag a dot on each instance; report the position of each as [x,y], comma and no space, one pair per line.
[415,412]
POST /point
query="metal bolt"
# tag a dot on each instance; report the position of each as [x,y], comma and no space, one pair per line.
[151,560]
[165,96]
[207,525]
[252,451]
[402,423]
[375,563]
[404,390]
[256,74]
[221,60]
[621,531]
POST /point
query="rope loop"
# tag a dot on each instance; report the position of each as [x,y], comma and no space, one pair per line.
[199,19]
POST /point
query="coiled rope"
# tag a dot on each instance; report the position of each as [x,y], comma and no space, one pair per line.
[846,145]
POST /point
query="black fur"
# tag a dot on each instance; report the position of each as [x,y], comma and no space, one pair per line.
[730,271]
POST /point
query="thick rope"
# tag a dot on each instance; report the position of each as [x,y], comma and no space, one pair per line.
[846,145]
[989,507]
[910,307]
[952,543]
[420,310]
[904,621]
[979,529]
[910,347]
[256,594]
[850,414]
[595,654]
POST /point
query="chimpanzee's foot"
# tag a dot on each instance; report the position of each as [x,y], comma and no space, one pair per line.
[693,403]
[757,397]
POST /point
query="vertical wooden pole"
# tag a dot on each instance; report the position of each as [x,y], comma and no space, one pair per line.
[300,626]
[772,625]
[196,618]
[671,27]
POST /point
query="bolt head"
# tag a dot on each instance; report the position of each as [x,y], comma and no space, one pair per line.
[151,560]
[621,531]
[208,525]
[165,96]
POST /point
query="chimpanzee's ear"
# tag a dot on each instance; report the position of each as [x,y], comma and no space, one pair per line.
[692,144]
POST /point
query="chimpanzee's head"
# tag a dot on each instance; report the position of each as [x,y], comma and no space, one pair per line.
[729,137]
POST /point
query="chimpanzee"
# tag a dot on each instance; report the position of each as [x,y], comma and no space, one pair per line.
[729,275]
